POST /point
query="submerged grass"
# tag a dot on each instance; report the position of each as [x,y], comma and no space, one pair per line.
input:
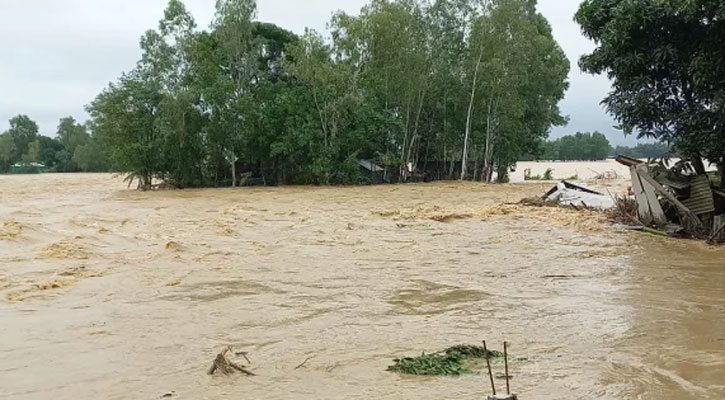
[453,361]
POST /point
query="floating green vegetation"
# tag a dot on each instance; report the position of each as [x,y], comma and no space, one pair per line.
[473,351]
[453,361]
[431,364]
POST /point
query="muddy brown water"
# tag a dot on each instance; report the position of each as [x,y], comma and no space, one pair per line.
[111,293]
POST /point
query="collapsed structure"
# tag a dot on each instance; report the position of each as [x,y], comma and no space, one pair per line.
[677,200]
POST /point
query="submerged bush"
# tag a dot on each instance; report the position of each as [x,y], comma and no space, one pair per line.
[431,364]
[453,361]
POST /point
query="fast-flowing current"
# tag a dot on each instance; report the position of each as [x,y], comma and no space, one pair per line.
[111,293]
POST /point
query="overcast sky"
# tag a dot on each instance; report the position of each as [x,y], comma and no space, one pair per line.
[57,55]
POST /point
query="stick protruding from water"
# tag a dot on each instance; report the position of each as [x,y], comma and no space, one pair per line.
[506,365]
[488,364]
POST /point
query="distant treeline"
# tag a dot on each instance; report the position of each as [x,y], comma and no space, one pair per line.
[72,150]
[586,146]
[645,150]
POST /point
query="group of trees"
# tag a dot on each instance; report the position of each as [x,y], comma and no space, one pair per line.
[72,150]
[593,147]
[645,151]
[475,82]
[665,59]
[583,146]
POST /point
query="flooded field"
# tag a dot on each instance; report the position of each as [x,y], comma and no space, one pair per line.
[568,170]
[111,293]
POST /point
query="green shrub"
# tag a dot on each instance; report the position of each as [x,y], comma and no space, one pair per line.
[548,175]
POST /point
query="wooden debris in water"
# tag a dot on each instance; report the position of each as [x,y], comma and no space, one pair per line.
[173,246]
[226,365]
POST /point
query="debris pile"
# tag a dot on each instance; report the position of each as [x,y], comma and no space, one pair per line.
[676,200]
[577,195]
[228,362]
[606,176]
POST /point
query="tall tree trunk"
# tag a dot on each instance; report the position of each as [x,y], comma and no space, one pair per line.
[488,149]
[475,169]
[404,166]
[468,118]
[445,133]
[323,122]
[408,158]
[234,170]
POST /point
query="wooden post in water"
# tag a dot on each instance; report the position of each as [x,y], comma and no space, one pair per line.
[488,363]
[506,364]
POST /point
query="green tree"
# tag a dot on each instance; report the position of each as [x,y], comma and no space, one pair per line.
[32,154]
[388,47]
[91,157]
[583,146]
[645,150]
[49,151]
[125,115]
[71,135]
[146,116]
[7,151]
[233,30]
[665,61]
[24,131]
[394,85]
[519,92]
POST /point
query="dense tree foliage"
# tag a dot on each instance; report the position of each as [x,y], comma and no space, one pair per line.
[665,59]
[583,146]
[24,131]
[22,144]
[404,83]
[645,150]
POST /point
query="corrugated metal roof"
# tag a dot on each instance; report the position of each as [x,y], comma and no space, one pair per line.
[701,200]
[714,178]
[370,166]
[672,182]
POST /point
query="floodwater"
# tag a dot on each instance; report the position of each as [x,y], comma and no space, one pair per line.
[568,170]
[110,293]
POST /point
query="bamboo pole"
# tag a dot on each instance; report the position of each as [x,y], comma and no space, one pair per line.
[488,363]
[506,364]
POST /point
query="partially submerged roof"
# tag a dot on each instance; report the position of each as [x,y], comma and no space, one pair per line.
[701,200]
[370,166]
[568,193]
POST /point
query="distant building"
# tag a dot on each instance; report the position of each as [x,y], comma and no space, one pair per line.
[27,168]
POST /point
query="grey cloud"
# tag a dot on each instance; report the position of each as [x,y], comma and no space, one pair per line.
[55,56]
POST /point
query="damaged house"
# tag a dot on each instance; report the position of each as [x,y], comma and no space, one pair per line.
[677,199]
